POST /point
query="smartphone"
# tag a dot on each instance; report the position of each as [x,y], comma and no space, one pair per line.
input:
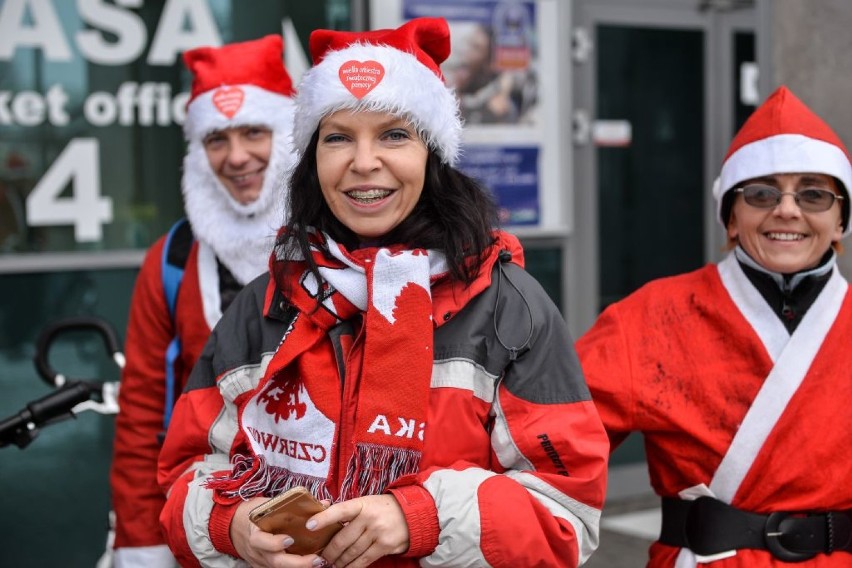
[287,513]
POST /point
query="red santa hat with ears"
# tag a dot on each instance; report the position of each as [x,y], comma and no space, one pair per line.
[395,71]
[236,85]
[784,136]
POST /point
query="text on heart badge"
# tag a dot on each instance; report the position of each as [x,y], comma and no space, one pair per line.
[361,77]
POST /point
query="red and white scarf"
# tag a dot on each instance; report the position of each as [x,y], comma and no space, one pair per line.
[295,425]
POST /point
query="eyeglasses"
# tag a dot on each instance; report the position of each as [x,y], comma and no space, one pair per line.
[810,199]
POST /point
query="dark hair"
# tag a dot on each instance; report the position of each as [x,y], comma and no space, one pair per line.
[454,215]
[727,206]
[844,203]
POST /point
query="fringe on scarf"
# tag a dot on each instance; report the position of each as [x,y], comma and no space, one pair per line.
[372,468]
[252,477]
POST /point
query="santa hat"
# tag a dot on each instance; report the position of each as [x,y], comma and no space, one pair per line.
[395,71]
[783,136]
[238,84]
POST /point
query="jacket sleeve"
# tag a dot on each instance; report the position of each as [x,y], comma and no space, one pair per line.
[196,447]
[604,352]
[539,503]
[204,431]
[136,497]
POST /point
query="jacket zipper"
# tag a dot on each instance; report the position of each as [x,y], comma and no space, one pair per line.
[348,406]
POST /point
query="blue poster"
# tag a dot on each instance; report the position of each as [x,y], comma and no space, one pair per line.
[511,173]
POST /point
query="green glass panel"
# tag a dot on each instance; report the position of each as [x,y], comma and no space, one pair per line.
[545,264]
[60,490]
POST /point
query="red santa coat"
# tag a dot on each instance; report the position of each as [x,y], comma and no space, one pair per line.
[679,361]
[137,499]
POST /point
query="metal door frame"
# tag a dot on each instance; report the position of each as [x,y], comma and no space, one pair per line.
[581,255]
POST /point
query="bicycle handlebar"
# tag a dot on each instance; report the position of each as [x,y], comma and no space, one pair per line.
[70,397]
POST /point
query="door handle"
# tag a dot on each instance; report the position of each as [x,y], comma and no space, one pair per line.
[581,127]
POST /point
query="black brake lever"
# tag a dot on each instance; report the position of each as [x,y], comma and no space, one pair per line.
[22,428]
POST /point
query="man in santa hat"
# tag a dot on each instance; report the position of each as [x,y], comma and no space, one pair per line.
[238,124]
[737,374]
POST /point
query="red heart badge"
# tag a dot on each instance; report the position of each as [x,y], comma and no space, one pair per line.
[228,100]
[361,77]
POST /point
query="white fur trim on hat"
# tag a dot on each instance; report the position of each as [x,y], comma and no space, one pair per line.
[408,88]
[259,107]
[783,154]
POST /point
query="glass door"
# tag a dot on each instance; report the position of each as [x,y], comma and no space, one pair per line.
[659,87]
[650,83]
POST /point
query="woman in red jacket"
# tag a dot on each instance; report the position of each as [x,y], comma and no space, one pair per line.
[398,361]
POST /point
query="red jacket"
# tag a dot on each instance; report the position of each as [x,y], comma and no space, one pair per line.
[513,468]
[136,497]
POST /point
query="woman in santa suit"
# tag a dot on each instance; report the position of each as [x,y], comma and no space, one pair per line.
[237,127]
[737,374]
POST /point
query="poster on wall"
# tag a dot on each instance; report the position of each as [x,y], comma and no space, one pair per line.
[492,63]
[506,84]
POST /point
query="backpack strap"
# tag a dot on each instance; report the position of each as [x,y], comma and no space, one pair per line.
[175,254]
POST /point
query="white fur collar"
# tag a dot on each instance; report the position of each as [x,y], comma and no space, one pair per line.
[241,235]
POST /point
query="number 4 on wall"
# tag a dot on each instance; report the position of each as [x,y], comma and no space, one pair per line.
[85,208]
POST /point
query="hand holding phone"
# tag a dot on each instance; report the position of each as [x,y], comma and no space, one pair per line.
[287,514]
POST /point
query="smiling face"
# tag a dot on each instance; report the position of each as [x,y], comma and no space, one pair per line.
[784,238]
[371,168]
[239,157]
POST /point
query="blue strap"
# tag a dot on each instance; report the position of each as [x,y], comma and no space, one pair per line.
[172,353]
[172,276]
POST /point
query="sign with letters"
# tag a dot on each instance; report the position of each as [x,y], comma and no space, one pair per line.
[35,25]
[91,103]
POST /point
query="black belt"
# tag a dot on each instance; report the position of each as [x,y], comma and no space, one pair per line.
[708,526]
